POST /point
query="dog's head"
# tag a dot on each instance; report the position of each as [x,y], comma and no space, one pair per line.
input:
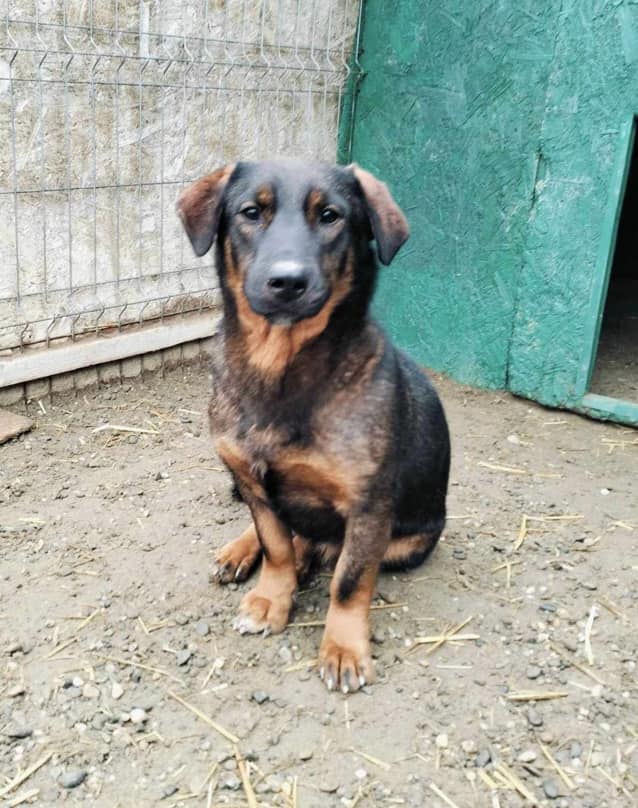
[290,232]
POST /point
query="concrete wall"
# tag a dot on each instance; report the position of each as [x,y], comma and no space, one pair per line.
[500,143]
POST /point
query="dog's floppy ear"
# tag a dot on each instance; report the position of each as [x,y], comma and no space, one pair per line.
[200,205]
[389,225]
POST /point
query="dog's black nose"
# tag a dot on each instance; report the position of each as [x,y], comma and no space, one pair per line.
[287,281]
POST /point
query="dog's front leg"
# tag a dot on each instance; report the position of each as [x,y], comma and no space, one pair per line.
[344,657]
[266,607]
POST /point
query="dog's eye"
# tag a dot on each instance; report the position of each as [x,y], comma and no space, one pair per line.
[251,212]
[328,216]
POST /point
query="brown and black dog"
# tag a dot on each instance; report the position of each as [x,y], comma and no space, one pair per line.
[336,440]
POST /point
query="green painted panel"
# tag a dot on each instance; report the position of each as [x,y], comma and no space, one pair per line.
[449,114]
[502,129]
[591,98]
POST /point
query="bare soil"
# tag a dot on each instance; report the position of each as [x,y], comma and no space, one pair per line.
[117,652]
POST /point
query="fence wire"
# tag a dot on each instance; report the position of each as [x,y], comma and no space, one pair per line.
[108,108]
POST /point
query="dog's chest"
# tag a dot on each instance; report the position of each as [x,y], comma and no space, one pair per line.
[284,472]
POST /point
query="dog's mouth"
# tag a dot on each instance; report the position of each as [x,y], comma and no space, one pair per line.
[290,312]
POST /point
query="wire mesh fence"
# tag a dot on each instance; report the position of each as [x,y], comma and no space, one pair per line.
[108,108]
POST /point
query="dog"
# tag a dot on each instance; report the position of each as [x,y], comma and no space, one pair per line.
[336,440]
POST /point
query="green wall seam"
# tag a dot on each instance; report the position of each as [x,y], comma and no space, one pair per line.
[349,102]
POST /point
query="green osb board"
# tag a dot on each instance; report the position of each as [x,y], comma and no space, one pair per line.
[498,128]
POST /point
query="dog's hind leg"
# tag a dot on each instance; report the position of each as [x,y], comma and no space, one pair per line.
[311,556]
[408,552]
[237,559]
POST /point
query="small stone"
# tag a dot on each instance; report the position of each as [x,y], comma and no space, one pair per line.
[361,773]
[441,741]
[138,716]
[72,778]
[90,691]
[575,750]
[168,791]
[183,656]
[483,758]
[306,754]
[547,607]
[550,788]
[230,781]
[459,554]
[117,691]
[534,717]
[18,732]
[591,585]
[259,696]
[528,756]
[16,690]
[202,628]
[328,786]
[533,672]
[469,747]
[285,654]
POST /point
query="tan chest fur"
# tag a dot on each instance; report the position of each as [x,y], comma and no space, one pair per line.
[311,476]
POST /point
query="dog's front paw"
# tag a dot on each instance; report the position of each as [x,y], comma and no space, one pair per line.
[237,559]
[259,614]
[345,667]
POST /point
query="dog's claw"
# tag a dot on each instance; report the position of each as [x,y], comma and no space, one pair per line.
[321,673]
[330,683]
[362,680]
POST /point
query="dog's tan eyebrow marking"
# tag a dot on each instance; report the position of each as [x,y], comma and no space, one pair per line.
[265,196]
[315,201]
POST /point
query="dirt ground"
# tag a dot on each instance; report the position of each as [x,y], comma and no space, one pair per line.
[122,678]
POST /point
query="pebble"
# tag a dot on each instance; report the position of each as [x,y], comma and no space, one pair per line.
[16,690]
[483,758]
[306,754]
[230,781]
[72,778]
[168,791]
[528,756]
[117,691]
[183,656]
[138,716]
[547,607]
[202,628]
[469,747]
[533,672]
[285,654]
[441,741]
[18,732]
[576,749]
[259,696]
[534,717]
[90,691]
[328,786]
[550,788]
[459,554]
